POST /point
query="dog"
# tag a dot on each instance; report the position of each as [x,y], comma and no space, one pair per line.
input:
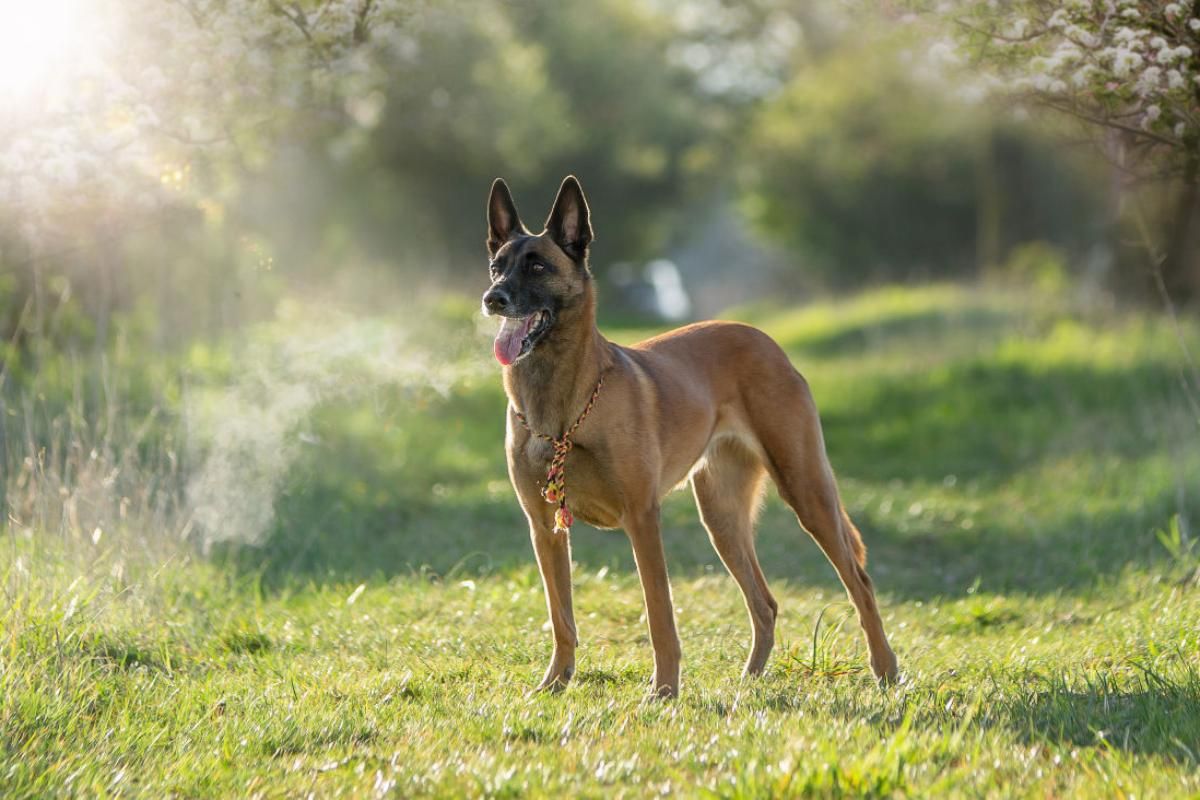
[603,432]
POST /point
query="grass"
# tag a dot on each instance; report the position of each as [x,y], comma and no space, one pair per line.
[1025,475]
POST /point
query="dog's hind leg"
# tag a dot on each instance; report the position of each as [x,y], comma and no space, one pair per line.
[728,488]
[797,462]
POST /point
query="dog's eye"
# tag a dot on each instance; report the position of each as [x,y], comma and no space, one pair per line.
[537,266]
[493,270]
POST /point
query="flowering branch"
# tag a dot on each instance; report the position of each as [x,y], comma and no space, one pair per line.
[1129,65]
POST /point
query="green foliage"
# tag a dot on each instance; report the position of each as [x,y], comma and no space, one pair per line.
[1038,265]
[365,170]
[822,657]
[866,171]
[342,172]
[1182,547]
[871,171]
[534,91]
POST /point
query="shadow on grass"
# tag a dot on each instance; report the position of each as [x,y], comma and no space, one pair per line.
[365,507]
[1067,552]
[1157,716]
[471,540]
[1163,719]
[987,421]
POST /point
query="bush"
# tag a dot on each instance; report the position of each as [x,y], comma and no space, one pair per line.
[870,173]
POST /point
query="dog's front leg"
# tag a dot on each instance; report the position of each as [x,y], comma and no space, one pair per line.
[554,560]
[644,534]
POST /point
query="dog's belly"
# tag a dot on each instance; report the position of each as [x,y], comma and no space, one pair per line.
[592,498]
[595,515]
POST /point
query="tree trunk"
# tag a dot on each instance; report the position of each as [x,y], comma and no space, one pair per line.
[1181,265]
[988,207]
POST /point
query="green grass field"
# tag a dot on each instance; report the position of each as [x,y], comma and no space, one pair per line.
[1024,473]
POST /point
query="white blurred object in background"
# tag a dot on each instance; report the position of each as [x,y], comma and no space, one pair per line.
[670,298]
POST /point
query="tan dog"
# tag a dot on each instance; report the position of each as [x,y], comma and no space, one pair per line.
[716,403]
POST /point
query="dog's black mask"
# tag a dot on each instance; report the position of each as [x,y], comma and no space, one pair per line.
[534,278]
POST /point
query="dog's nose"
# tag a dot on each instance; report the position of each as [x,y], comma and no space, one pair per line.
[496,301]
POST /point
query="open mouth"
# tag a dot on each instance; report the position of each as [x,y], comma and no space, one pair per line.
[518,336]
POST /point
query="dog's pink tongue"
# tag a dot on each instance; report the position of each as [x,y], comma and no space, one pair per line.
[508,340]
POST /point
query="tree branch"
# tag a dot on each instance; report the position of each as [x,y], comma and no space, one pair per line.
[1108,122]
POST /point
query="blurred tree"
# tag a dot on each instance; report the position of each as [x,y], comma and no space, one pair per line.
[201,157]
[533,91]
[873,171]
[1129,71]
[152,121]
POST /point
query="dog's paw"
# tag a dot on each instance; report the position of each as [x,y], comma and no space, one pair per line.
[555,681]
[752,672]
[548,687]
[662,691]
[887,670]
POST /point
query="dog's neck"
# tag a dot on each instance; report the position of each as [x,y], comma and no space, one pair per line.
[552,384]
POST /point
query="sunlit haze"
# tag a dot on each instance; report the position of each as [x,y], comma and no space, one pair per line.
[38,41]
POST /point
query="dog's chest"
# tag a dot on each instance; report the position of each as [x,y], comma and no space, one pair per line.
[592,491]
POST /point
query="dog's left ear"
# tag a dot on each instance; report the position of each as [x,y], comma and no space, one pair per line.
[569,223]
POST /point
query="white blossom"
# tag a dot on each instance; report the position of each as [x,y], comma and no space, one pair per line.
[1106,61]
[1149,80]
[1124,62]
[944,53]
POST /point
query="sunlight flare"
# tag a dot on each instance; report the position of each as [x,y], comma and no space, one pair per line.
[39,41]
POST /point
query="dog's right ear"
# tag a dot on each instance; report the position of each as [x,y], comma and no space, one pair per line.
[502,217]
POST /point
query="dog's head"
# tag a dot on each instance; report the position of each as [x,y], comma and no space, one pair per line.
[535,279]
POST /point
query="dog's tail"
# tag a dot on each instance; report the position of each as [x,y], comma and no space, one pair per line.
[856,540]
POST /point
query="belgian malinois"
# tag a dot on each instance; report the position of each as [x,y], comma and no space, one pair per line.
[715,403]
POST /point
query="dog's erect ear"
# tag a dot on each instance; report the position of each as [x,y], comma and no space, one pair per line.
[503,221]
[570,222]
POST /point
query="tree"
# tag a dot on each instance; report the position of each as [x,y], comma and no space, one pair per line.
[1129,70]
[869,167]
[151,117]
